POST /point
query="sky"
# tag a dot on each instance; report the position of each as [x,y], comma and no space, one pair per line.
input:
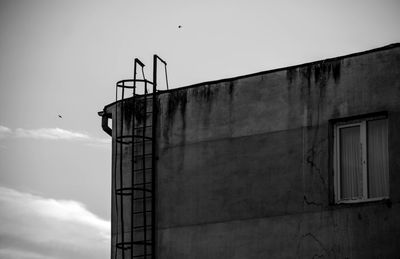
[64,57]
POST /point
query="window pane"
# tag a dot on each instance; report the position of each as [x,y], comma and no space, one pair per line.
[378,173]
[350,163]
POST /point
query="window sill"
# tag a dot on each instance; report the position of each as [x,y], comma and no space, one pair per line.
[363,201]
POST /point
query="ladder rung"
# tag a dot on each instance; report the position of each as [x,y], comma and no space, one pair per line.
[141,212]
[141,184]
[123,245]
[137,256]
[147,140]
[140,227]
[128,190]
[142,169]
[145,155]
[131,137]
[128,245]
[123,142]
[143,198]
[141,142]
[147,126]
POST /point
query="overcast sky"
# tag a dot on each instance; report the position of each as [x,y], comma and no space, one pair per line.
[64,57]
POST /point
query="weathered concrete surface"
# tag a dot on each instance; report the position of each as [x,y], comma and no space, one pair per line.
[229,179]
[245,164]
[370,231]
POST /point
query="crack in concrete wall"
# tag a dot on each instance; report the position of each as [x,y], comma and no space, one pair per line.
[312,202]
[311,154]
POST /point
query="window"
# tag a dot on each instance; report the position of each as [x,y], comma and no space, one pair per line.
[361,160]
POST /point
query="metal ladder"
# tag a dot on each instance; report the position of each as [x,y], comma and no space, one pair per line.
[135,170]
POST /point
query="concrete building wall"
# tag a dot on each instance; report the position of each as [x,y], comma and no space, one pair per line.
[245,164]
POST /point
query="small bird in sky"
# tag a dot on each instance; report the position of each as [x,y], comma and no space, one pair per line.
[59,116]
[180,26]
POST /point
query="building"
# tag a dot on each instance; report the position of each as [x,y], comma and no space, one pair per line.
[298,162]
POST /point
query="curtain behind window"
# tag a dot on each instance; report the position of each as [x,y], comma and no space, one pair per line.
[350,163]
[378,172]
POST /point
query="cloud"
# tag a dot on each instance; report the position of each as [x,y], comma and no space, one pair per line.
[53,134]
[35,227]
[4,132]
[50,133]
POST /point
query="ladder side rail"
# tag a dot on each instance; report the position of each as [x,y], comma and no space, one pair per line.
[136,62]
[153,159]
[114,248]
[144,172]
[132,156]
[121,170]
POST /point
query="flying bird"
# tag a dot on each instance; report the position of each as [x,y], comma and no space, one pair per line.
[180,26]
[59,116]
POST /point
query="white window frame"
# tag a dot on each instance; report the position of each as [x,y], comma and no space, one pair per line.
[362,123]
